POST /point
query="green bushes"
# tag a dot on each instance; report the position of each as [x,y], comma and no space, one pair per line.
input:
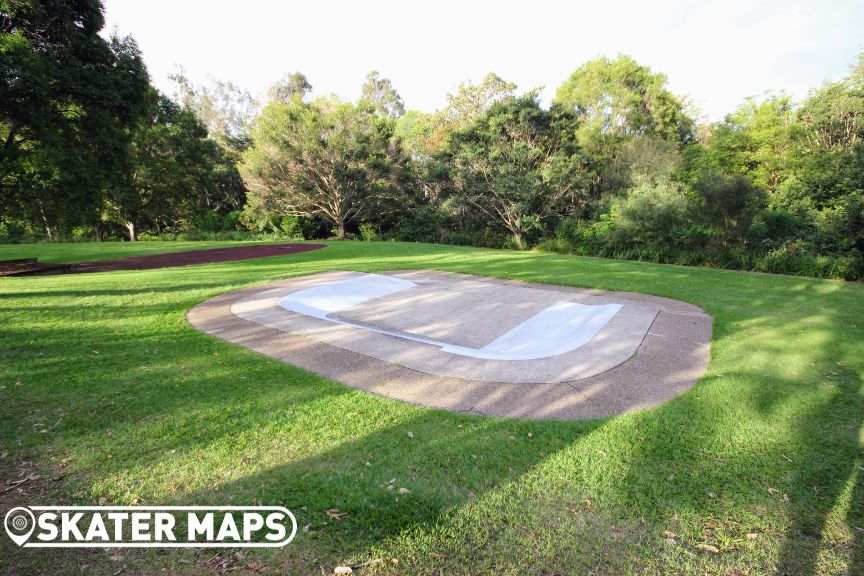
[13,232]
[716,225]
[773,228]
[654,215]
[726,206]
[291,228]
[368,232]
[778,261]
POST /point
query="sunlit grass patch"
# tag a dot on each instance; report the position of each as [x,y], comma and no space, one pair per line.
[105,387]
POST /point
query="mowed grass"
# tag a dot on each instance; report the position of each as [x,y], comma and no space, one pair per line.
[108,395]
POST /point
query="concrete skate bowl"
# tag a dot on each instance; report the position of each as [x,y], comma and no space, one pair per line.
[472,344]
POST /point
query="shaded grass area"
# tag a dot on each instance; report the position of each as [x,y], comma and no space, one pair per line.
[104,387]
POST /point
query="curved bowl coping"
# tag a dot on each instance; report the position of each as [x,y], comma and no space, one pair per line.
[668,360]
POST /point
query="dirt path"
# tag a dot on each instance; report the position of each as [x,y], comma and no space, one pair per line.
[209,256]
[169,260]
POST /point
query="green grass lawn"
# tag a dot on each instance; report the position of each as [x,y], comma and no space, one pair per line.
[108,395]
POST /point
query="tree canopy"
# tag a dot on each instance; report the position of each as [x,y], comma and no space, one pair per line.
[619,99]
[288,86]
[67,97]
[324,157]
[379,95]
[617,165]
[174,175]
[517,163]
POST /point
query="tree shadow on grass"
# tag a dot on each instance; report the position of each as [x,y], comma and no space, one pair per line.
[391,482]
[766,449]
[825,469]
[398,474]
[107,386]
[695,439]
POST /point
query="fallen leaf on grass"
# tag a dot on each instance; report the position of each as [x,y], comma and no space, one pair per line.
[343,570]
[708,548]
[752,536]
[335,514]
[367,563]
[404,491]
[669,534]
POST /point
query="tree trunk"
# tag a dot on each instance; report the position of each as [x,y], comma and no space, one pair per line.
[48,230]
[515,227]
[100,232]
[341,229]
[517,236]
[133,236]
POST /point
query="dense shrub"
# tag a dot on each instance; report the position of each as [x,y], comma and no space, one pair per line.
[727,206]
[774,227]
[420,224]
[789,261]
[841,226]
[367,232]
[291,228]
[655,215]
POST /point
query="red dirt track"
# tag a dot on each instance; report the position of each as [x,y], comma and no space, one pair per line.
[208,256]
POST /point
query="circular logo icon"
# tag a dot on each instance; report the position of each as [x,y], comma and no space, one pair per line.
[19,524]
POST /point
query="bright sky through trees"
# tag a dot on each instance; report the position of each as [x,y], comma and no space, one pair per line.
[716,52]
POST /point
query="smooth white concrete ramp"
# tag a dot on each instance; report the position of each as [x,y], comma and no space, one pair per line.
[338,295]
[560,328]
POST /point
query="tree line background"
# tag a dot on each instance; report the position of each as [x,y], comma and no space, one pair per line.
[617,166]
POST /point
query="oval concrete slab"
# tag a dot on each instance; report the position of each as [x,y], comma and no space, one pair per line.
[474,344]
